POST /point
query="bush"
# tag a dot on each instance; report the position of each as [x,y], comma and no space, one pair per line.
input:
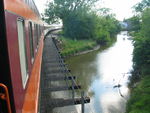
[140,99]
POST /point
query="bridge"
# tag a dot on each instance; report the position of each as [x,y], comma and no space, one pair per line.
[56,77]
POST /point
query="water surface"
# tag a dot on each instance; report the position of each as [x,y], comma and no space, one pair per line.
[103,75]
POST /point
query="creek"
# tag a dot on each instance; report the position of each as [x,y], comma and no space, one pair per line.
[103,75]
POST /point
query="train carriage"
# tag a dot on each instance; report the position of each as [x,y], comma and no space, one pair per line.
[21,46]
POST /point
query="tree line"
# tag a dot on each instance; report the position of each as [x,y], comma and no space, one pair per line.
[139,26]
[81,21]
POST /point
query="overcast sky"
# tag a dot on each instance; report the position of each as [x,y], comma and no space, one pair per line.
[122,8]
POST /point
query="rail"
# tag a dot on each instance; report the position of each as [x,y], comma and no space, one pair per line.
[5,96]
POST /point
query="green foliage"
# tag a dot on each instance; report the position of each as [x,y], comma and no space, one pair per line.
[140,99]
[81,25]
[80,22]
[90,26]
[146,23]
[140,7]
[141,58]
[104,11]
[133,23]
[107,28]
[61,9]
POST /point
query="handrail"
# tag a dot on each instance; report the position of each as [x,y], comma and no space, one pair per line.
[5,96]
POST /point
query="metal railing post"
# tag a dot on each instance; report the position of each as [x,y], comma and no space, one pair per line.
[82,101]
[5,96]
[73,95]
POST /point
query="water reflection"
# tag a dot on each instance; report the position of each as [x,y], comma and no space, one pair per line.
[104,75]
[84,67]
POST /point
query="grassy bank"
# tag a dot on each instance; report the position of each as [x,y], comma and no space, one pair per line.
[139,101]
[71,47]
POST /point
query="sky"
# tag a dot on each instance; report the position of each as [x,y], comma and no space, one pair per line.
[41,4]
[121,8]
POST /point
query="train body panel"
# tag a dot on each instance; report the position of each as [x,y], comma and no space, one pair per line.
[21,8]
[32,93]
[4,61]
[13,50]
[21,40]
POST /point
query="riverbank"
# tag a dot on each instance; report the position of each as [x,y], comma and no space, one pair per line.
[71,47]
[139,101]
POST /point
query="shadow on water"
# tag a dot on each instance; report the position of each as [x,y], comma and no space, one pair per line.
[103,74]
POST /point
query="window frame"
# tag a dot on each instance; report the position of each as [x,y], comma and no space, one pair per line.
[22,48]
[31,41]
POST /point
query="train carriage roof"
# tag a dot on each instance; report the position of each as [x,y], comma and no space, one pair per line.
[24,8]
[32,5]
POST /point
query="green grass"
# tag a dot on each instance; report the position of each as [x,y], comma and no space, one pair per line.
[139,101]
[71,47]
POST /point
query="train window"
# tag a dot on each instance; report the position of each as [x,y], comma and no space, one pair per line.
[40,31]
[36,34]
[22,52]
[31,42]
[37,30]
[39,35]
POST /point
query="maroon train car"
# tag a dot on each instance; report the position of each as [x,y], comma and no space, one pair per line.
[21,46]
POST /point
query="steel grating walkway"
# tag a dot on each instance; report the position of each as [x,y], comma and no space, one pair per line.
[55,77]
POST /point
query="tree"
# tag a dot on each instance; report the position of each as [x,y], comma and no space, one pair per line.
[76,16]
[81,26]
[133,23]
[107,28]
[61,9]
[80,21]
[142,5]
[141,63]
[145,30]
[141,54]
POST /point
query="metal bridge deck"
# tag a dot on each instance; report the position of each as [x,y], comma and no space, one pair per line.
[56,77]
